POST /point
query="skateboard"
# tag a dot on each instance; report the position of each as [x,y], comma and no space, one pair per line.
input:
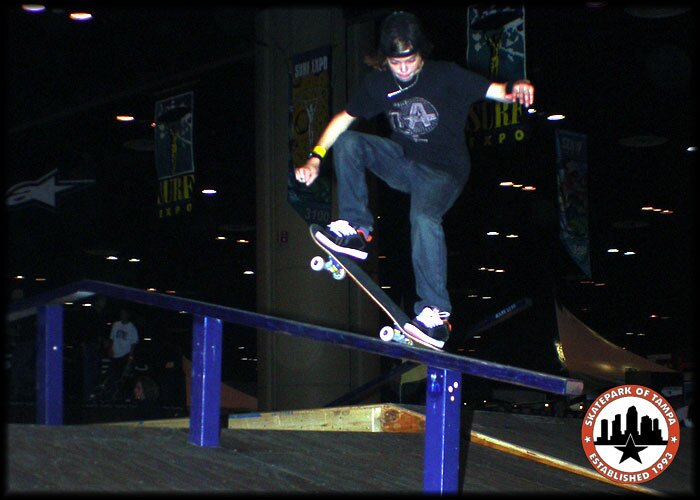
[340,266]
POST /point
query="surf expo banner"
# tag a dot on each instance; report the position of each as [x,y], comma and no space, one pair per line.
[572,187]
[309,113]
[174,154]
[496,49]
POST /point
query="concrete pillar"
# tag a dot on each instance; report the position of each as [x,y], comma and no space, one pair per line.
[292,372]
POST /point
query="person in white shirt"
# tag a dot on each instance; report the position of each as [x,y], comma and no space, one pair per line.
[124,336]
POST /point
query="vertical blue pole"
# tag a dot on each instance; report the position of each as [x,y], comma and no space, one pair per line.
[442,431]
[205,390]
[49,365]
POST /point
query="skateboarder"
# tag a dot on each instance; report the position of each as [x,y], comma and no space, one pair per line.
[426,103]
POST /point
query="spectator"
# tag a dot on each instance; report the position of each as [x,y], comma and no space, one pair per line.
[124,336]
[146,397]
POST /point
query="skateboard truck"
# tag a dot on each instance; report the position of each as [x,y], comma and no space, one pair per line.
[330,265]
[393,334]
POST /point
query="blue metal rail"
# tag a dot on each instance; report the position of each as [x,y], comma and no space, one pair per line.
[443,403]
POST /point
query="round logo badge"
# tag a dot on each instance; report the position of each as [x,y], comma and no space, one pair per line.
[630,434]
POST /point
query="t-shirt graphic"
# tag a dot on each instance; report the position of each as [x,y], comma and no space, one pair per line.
[414,117]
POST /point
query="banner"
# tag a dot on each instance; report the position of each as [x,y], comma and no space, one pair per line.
[496,49]
[309,113]
[174,154]
[572,194]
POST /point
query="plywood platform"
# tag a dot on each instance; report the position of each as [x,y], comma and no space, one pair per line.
[140,458]
[363,418]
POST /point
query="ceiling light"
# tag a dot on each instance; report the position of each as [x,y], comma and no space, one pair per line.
[248,272]
[492,233]
[244,242]
[33,8]
[124,118]
[209,191]
[134,259]
[555,117]
[630,252]
[613,250]
[529,188]
[221,238]
[112,257]
[506,184]
[692,149]
[512,236]
[80,16]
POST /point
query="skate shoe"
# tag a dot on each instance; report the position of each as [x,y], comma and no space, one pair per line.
[339,236]
[431,327]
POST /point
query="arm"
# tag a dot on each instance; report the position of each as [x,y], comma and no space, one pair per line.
[523,92]
[308,172]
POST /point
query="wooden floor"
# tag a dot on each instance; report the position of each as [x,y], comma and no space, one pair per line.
[100,458]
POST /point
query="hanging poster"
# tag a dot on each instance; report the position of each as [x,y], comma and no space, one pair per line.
[309,113]
[572,187]
[496,49]
[174,154]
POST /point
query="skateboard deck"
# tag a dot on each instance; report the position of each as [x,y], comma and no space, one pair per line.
[340,265]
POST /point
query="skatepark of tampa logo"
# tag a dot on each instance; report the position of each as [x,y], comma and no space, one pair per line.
[630,434]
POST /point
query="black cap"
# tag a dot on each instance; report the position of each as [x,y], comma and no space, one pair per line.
[400,35]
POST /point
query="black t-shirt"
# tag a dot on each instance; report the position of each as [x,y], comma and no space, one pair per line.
[429,118]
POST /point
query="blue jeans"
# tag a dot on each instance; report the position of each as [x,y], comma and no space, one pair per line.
[432,193]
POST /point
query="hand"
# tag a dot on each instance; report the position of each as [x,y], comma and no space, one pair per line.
[523,93]
[308,172]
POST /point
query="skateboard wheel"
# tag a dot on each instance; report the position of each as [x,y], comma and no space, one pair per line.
[339,274]
[386,334]
[317,263]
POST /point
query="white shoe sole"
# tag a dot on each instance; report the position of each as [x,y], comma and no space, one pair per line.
[422,338]
[322,238]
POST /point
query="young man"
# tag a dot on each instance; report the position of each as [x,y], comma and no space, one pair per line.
[123,336]
[426,103]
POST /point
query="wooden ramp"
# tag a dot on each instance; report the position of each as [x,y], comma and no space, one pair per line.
[364,418]
[506,454]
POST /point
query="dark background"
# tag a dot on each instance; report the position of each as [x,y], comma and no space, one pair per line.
[624,77]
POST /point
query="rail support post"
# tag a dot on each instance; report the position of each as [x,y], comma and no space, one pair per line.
[442,431]
[205,389]
[49,365]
